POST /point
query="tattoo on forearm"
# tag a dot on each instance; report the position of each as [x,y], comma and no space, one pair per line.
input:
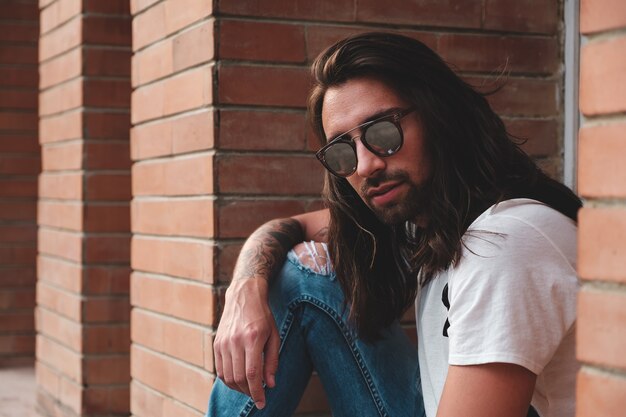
[265,250]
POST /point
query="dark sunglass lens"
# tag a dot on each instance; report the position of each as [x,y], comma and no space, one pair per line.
[340,158]
[384,138]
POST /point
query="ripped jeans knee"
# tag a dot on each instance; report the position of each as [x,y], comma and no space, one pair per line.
[313,256]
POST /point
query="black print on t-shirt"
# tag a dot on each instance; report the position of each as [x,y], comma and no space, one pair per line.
[446,303]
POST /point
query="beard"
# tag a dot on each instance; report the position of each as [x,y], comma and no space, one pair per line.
[413,206]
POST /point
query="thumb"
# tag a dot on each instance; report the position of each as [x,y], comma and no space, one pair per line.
[270,361]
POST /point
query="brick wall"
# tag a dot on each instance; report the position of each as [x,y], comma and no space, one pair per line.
[83,306]
[602,232]
[219,133]
[19,166]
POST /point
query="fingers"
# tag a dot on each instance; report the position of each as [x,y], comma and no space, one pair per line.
[254,373]
[271,358]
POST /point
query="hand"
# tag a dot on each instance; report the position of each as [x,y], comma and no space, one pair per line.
[247,342]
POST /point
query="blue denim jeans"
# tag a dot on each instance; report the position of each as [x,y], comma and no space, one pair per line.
[360,379]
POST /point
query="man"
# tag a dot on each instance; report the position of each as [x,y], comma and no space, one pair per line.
[428,195]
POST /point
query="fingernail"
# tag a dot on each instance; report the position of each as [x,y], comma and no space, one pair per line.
[260,405]
[272,381]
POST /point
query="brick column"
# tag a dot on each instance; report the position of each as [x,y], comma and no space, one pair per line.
[602,234]
[220,144]
[83,306]
[19,167]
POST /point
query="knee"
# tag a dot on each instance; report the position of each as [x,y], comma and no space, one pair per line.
[313,256]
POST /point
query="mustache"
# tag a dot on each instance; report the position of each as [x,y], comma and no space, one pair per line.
[372,182]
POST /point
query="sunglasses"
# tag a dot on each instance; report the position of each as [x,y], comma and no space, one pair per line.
[382,137]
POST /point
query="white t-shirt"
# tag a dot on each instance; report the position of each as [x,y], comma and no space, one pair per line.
[512,299]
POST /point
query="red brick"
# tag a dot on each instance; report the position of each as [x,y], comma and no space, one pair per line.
[600,314]
[262,130]
[148,402]
[529,16]
[189,90]
[601,244]
[226,258]
[19,165]
[18,99]
[109,155]
[108,187]
[118,7]
[107,249]
[65,186]
[106,125]
[189,385]
[208,340]
[109,280]
[59,357]
[247,40]
[153,62]
[12,31]
[600,162]
[65,126]
[26,122]
[107,93]
[106,370]
[137,6]
[17,276]
[456,13]
[62,156]
[18,54]
[185,259]
[60,329]
[60,214]
[240,218]
[600,394]
[106,339]
[600,15]
[189,175]
[47,378]
[106,62]
[18,11]
[106,30]
[16,344]
[107,217]
[61,40]
[520,96]
[58,13]
[270,86]
[250,174]
[603,87]
[340,10]
[185,133]
[19,143]
[490,53]
[17,322]
[115,309]
[17,210]
[194,46]
[60,273]
[17,233]
[17,255]
[174,297]
[63,244]
[166,18]
[163,335]
[16,299]
[107,399]
[176,217]
[61,98]
[25,77]
[18,187]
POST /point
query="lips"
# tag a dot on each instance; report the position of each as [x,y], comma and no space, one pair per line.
[378,193]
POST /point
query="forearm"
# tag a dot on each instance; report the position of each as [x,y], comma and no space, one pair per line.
[264,252]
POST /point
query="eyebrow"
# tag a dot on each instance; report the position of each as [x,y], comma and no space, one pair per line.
[378,115]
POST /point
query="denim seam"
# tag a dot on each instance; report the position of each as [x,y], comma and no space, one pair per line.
[346,333]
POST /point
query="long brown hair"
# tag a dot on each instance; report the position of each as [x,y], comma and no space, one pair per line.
[475,164]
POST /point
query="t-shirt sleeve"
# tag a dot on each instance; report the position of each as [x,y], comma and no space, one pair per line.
[512,295]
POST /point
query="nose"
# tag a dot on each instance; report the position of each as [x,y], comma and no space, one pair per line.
[369,164]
